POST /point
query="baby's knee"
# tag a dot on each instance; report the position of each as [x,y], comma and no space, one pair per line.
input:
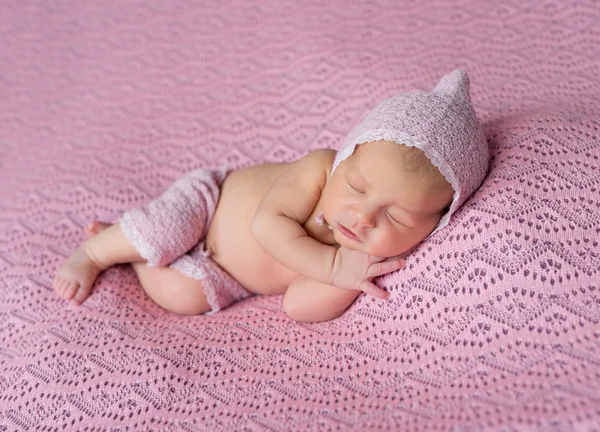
[177,293]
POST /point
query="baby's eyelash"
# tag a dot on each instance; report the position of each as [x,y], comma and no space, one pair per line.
[359,191]
[392,218]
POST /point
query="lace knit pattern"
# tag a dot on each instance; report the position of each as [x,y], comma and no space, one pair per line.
[172,224]
[493,326]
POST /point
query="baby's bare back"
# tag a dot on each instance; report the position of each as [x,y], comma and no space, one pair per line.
[229,239]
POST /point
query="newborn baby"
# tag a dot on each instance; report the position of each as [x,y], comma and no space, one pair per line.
[317,230]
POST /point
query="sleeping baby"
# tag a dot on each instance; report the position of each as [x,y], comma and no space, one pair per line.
[317,230]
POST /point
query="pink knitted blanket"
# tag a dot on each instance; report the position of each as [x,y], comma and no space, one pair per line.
[493,325]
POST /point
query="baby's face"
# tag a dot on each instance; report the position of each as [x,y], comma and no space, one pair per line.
[376,206]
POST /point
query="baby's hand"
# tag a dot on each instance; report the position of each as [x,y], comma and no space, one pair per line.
[354,270]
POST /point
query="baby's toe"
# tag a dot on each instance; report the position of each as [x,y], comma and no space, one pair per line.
[59,285]
[89,230]
[69,290]
[56,284]
[94,228]
[81,294]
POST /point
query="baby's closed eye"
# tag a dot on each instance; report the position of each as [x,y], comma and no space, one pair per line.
[356,188]
[392,218]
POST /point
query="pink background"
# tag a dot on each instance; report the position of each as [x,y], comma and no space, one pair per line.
[494,325]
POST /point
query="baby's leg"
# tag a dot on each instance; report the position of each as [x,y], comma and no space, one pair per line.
[172,290]
[76,276]
[171,225]
[161,231]
[184,295]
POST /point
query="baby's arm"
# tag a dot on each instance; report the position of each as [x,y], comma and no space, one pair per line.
[308,300]
[278,227]
[277,223]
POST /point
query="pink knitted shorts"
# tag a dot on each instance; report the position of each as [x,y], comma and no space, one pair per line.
[170,231]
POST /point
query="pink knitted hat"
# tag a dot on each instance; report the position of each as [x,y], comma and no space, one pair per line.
[442,123]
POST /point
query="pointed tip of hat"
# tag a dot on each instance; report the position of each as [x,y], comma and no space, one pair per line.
[455,80]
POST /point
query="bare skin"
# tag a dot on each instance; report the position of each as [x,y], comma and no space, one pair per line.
[76,276]
[152,279]
[253,262]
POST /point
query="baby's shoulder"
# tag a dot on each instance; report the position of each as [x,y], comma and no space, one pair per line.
[318,159]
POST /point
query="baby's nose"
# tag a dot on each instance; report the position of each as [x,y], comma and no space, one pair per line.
[364,217]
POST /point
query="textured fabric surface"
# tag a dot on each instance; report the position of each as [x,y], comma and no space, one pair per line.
[220,288]
[172,224]
[493,325]
[442,123]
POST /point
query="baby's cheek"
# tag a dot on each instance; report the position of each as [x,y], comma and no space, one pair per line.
[388,244]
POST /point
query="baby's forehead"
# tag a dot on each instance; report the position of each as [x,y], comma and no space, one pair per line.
[396,163]
[392,156]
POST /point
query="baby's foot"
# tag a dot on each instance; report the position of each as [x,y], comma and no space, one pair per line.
[75,278]
[94,228]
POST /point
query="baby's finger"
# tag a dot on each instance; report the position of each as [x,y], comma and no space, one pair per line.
[394,258]
[385,267]
[375,259]
[373,290]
